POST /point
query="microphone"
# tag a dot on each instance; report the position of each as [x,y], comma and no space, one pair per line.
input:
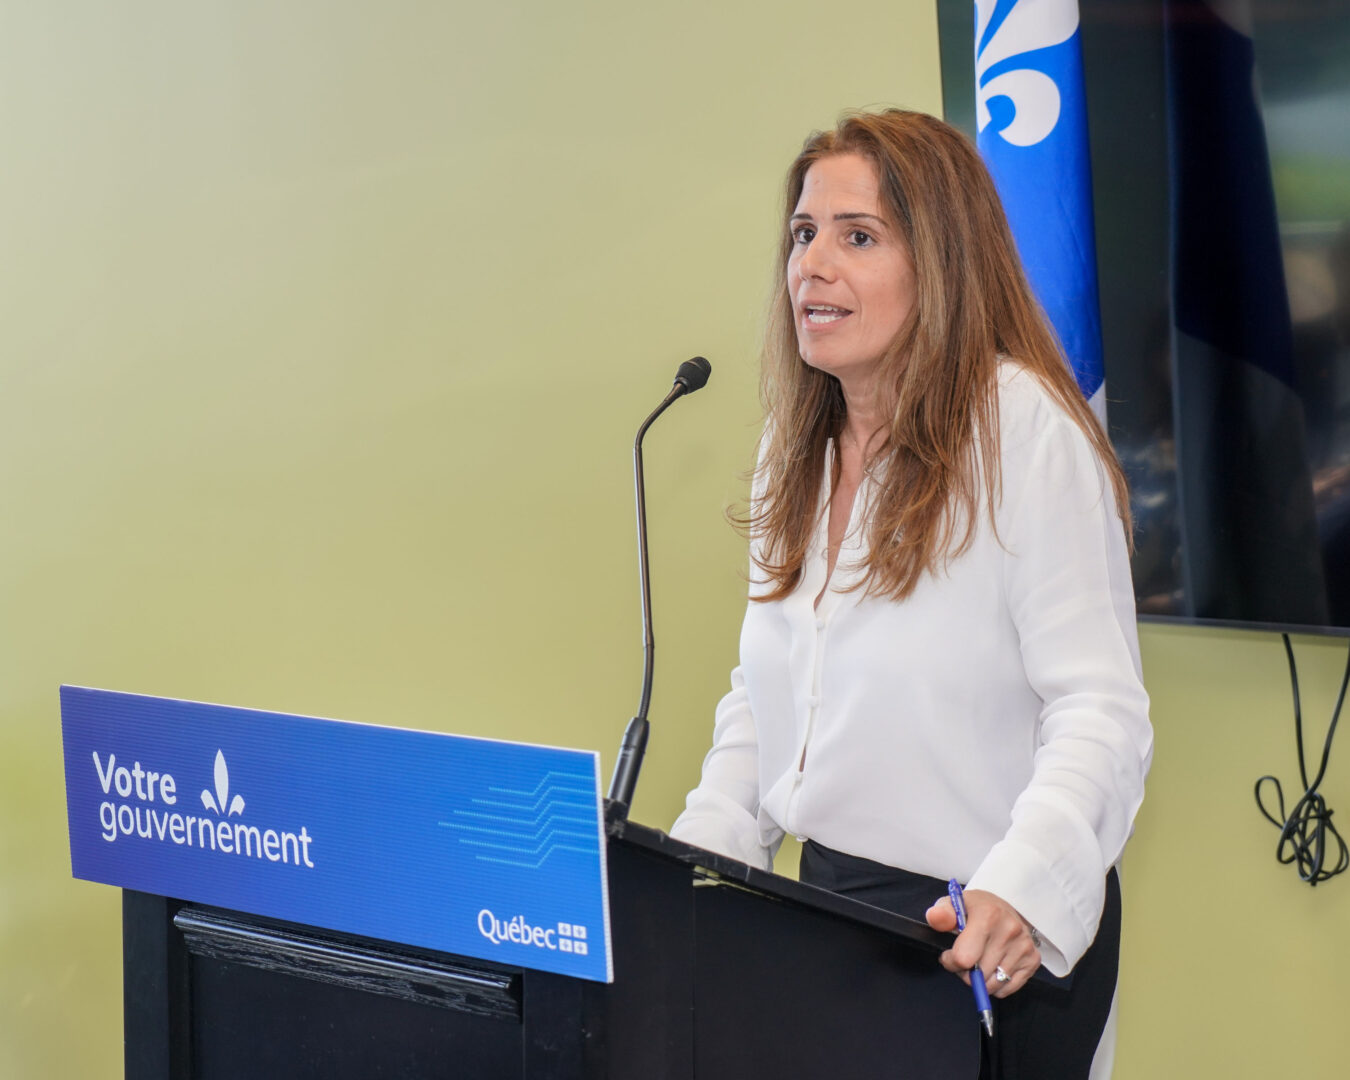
[692,375]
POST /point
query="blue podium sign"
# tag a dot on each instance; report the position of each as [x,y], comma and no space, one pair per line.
[472,846]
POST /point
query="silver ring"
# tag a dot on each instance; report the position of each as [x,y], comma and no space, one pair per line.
[1000,975]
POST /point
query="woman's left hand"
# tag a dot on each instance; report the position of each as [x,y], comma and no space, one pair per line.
[995,937]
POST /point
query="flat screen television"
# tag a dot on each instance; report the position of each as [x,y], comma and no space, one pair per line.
[1220,144]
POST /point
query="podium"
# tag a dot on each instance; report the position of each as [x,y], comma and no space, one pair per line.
[312,898]
[720,970]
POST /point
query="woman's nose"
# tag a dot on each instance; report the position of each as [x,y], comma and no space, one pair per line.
[815,263]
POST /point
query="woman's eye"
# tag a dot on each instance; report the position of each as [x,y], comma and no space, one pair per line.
[803,234]
[858,238]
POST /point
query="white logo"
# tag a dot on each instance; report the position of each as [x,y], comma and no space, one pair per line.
[145,791]
[1028,26]
[222,790]
[565,937]
[576,942]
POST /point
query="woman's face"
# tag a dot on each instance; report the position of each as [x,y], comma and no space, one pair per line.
[849,277]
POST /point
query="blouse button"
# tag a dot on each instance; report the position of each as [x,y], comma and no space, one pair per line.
[812,702]
[820,624]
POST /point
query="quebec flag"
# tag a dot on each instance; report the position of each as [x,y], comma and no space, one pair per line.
[1031,119]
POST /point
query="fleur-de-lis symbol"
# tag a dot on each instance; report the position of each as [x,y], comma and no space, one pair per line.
[218,802]
[1004,30]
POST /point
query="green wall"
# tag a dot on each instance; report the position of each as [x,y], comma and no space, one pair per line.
[324,330]
[1231,966]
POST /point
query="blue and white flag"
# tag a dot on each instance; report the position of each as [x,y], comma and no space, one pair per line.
[1031,118]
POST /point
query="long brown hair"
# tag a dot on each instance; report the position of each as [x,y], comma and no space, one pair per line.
[939,378]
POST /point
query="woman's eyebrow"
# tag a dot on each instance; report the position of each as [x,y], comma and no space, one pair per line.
[851,216]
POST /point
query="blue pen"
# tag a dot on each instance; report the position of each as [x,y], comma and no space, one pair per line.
[976,975]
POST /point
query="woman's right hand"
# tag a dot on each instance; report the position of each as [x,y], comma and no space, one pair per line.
[996,938]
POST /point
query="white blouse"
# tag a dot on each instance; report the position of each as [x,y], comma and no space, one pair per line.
[992,727]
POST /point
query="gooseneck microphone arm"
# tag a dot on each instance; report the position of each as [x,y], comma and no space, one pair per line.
[692,375]
[644,572]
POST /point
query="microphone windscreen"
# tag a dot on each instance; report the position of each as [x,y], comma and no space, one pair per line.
[693,374]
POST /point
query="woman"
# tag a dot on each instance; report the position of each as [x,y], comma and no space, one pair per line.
[939,668]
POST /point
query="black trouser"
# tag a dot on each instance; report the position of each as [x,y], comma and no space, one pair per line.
[1049,1029]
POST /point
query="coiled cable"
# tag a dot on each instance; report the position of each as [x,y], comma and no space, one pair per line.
[1306,830]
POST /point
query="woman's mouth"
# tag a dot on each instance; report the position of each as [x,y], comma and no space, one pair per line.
[824,314]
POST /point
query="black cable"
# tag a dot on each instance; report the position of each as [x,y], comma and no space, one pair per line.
[1304,831]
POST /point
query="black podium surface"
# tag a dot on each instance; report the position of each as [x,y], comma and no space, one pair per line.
[720,970]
